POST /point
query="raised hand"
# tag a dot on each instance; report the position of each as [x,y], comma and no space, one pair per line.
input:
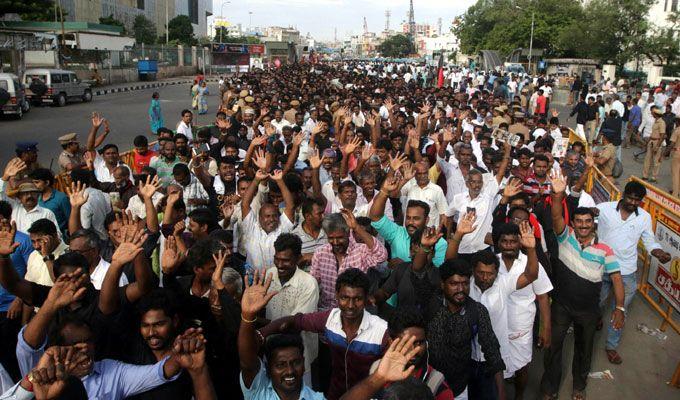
[367,152]
[467,223]
[513,188]
[256,296]
[223,124]
[67,289]
[227,209]
[317,128]
[260,159]
[407,172]
[351,146]
[55,365]
[370,120]
[179,228]
[589,161]
[349,218]
[269,129]
[527,238]
[220,259]
[277,175]
[397,161]
[131,244]
[264,111]
[430,237]
[171,258]
[174,197]
[97,119]
[388,104]
[314,160]
[392,366]
[298,138]
[7,243]
[14,166]
[148,188]
[347,119]
[259,141]
[557,181]
[448,135]
[189,349]
[88,157]
[261,175]
[390,184]
[554,113]
[76,194]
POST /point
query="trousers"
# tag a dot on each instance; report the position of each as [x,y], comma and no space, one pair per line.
[629,290]
[652,159]
[584,331]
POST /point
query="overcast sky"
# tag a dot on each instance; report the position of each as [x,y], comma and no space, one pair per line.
[321,17]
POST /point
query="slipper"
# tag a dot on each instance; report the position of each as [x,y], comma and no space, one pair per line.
[613,357]
[578,395]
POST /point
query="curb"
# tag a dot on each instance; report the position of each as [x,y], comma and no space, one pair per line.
[151,85]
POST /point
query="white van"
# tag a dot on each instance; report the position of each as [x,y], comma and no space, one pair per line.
[55,86]
[12,96]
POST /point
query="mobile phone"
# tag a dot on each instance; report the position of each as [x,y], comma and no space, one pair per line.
[194,151]
[204,148]
[471,210]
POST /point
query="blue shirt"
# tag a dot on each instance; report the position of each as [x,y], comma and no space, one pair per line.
[400,242]
[60,205]
[108,380]
[19,260]
[262,389]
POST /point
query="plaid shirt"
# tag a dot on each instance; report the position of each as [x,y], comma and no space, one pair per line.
[326,270]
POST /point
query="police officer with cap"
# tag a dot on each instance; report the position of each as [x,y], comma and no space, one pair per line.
[28,153]
[72,156]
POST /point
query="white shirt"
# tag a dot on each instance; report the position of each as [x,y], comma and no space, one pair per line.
[431,194]
[97,276]
[455,182]
[361,201]
[194,190]
[94,211]
[101,171]
[138,209]
[474,241]
[623,236]
[521,306]
[24,219]
[259,244]
[280,124]
[185,129]
[299,295]
[36,268]
[619,107]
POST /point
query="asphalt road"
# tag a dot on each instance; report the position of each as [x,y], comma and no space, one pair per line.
[127,113]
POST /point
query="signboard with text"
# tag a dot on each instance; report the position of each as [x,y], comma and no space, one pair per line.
[665,278]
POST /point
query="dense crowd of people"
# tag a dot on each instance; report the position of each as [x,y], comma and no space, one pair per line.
[342,231]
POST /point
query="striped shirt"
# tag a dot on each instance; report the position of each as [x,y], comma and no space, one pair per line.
[351,361]
[577,275]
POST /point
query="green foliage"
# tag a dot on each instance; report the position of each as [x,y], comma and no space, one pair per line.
[179,28]
[664,43]
[397,46]
[500,25]
[112,21]
[30,10]
[222,36]
[144,30]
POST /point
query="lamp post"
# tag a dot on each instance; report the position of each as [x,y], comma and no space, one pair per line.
[531,38]
[222,17]
[250,20]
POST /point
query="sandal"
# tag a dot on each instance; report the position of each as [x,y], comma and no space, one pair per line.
[613,356]
[578,395]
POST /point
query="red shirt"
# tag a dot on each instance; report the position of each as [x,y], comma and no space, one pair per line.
[540,105]
[142,160]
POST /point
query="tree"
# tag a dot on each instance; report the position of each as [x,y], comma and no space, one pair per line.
[397,46]
[179,28]
[505,25]
[110,20]
[144,30]
[30,10]
[610,31]
[663,46]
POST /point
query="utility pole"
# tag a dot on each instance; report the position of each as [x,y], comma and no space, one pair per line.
[167,28]
[531,39]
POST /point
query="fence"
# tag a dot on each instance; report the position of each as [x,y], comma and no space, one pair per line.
[83,59]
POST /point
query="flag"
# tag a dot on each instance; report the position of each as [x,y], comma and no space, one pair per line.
[440,74]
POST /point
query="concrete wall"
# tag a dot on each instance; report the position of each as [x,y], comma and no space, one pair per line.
[125,75]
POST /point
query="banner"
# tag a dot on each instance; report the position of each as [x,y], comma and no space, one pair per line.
[256,49]
[665,278]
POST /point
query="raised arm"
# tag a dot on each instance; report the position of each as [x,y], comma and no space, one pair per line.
[146,192]
[347,150]
[465,226]
[559,185]
[97,121]
[248,196]
[377,210]
[78,197]
[254,300]
[504,163]
[293,155]
[428,240]
[9,278]
[528,242]
[288,198]
[315,162]
[188,352]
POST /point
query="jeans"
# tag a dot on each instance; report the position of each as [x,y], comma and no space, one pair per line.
[584,322]
[629,290]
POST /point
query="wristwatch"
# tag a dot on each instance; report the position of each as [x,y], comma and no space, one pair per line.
[49,257]
[623,310]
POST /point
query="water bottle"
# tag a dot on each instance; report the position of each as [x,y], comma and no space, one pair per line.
[652,332]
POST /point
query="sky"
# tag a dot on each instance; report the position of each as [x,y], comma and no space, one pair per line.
[321,17]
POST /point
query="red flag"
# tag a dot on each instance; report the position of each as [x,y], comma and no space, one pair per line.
[440,75]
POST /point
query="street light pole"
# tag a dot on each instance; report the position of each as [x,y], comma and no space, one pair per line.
[250,20]
[167,29]
[531,40]
[221,28]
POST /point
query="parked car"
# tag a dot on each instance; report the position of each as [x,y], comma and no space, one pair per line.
[55,86]
[12,96]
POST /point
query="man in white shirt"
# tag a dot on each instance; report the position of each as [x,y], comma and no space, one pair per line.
[618,105]
[26,210]
[521,308]
[279,122]
[493,290]
[479,203]
[262,228]
[86,243]
[184,126]
[421,188]
[48,246]
[297,292]
[89,206]
[622,225]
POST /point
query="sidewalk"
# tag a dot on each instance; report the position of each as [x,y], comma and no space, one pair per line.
[132,86]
